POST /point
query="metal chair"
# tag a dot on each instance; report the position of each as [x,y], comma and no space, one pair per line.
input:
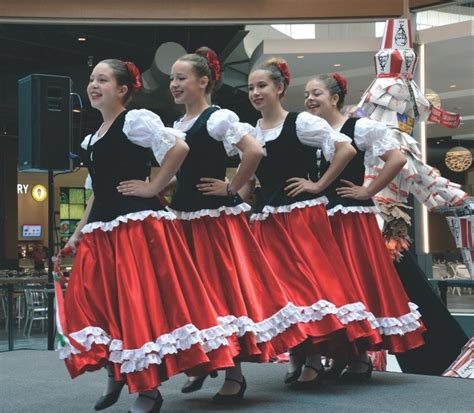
[36,309]
[462,273]
[440,272]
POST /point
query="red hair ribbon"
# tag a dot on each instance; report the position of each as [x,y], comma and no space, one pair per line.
[135,74]
[341,81]
[214,64]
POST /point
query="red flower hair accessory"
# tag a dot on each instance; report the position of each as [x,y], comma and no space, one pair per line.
[285,71]
[135,74]
[214,65]
[341,81]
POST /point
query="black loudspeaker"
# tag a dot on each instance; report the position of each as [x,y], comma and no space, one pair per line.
[45,123]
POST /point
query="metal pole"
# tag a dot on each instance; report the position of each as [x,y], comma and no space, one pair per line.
[10,288]
[51,229]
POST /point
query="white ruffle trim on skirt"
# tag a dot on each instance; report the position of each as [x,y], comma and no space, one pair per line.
[267,210]
[214,337]
[389,326]
[133,216]
[214,213]
[350,209]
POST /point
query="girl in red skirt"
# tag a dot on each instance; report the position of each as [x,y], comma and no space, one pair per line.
[352,216]
[135,303]
[287,228]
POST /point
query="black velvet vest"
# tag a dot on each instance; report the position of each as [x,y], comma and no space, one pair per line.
[206,158]
[354,172]
[112,159]
[286,157]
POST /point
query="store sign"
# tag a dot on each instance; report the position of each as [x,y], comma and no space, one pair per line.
[39,193]
[22,189]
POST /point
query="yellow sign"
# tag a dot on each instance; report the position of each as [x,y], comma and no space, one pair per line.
[39,193]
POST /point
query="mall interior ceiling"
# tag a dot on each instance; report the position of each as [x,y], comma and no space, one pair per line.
[58,50]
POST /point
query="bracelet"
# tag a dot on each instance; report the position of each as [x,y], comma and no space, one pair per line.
[229,191]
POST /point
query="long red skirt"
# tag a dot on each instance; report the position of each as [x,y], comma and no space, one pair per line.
[246,292]
[364,252]
[136,302]
[300,247]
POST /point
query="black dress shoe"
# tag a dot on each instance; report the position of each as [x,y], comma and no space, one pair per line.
[293,376]
[109,399]
[231,398]
[299,359]
[309,384]
[333,372]
[195,385]
[157,402]
[351,377]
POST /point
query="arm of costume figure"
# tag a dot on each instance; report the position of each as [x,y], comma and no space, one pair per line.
[252,153]
[342,156]
[169,166]
[76,237]
[394,162]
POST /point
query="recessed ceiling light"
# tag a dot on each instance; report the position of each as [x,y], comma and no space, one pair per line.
[77,110]
[300,56]
[452,85]
[337,65]
[81,39]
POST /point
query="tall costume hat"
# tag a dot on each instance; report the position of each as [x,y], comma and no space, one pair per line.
[394,99]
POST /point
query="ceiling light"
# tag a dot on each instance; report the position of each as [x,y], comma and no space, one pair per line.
[337,65]
[452,85]
[77,110]
[81,39]
[300,56]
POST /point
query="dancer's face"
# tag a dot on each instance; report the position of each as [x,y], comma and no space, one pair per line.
[318,100]
[263,92]
[103,90]
[185,85]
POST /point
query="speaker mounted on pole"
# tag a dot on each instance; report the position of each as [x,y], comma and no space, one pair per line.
[45,123]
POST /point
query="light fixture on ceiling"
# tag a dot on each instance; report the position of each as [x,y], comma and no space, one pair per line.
[452,86]
[458,159]
[77,110]
[301,56]
[81,39]
[337,65]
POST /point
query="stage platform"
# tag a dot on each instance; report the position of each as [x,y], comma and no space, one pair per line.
[36,381]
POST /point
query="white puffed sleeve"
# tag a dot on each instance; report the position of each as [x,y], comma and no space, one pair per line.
[225,126]
[375,139]
[88,183]
[315,131]
[85,142]
[145,128]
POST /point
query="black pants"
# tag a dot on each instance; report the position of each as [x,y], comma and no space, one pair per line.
[444,338]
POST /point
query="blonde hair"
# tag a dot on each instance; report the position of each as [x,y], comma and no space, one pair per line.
[279,72]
